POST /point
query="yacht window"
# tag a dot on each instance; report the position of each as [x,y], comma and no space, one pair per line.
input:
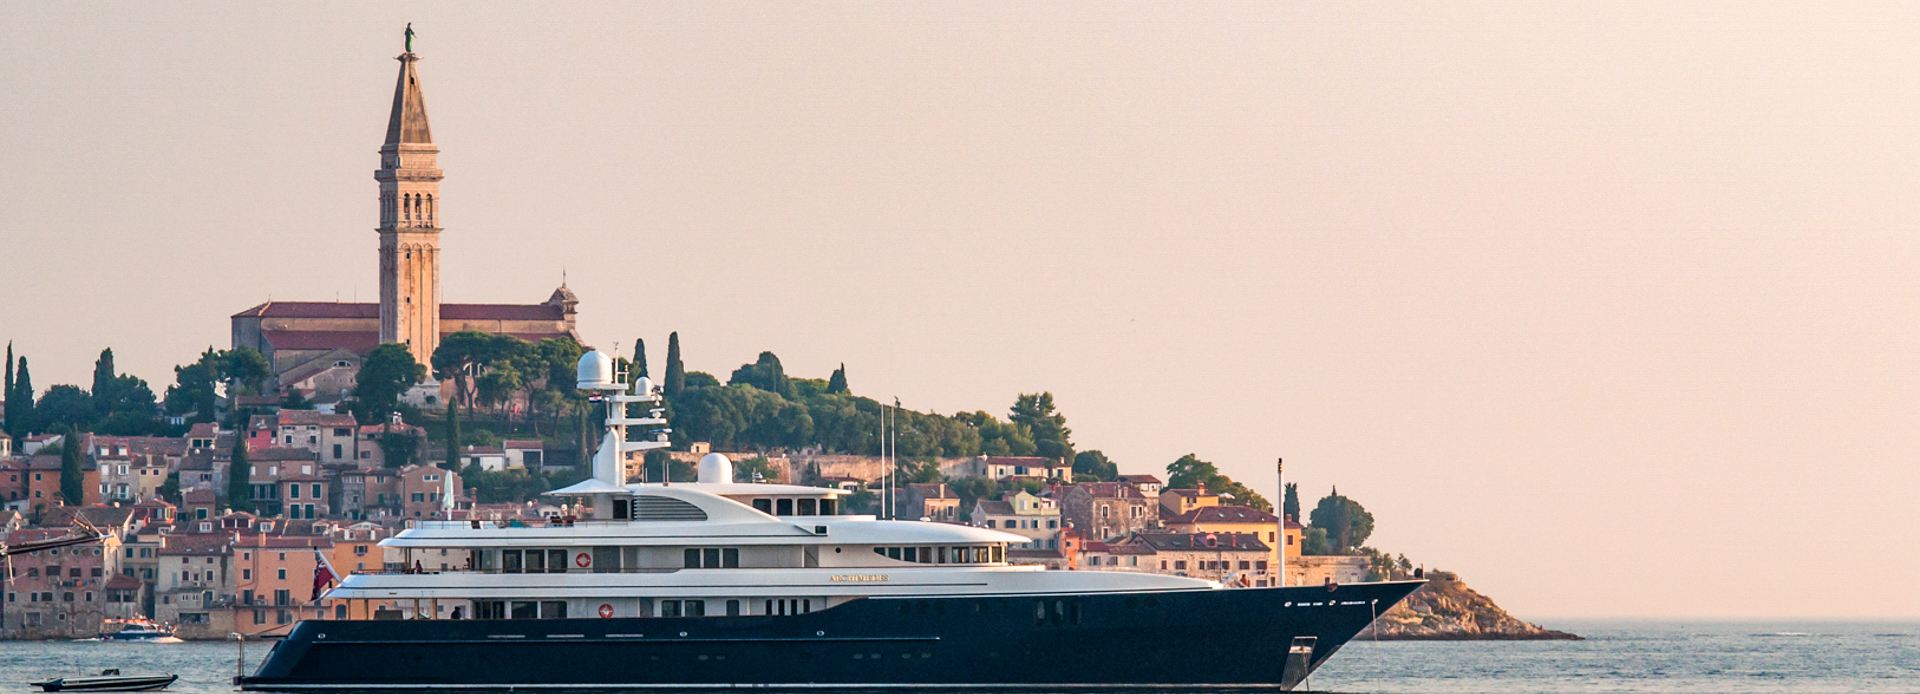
[942,558]
[510,561]
[553,609]
[482,560]
[669,608]
[763,505]
[926,555]
[733,608]
[622,508]
[525,609]
[784,506]
[710,557]
[910,554]
[829,507]
[809,507]
[536,562]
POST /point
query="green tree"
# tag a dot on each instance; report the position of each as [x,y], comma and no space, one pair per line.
[466,355]
[103,374]
[1191,472]
[698,379]
[764,373]
[6,393]
[1051,437]
[399,449]
[240,476]
[386,374]
[453,435]
[837,384]
[1315,542]
[1346,522]
[73,485]
[20,413]
[66,408]
[193,391]
[1290,502]
[245,370]
[640,358]
[676,371]
[1096,465]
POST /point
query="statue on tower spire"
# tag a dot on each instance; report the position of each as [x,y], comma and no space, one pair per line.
[409,37]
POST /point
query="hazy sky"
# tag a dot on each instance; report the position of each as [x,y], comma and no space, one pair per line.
[1610,306]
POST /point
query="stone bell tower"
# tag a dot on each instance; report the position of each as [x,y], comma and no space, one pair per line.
[409,177]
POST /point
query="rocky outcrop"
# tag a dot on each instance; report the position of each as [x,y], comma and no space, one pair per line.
[1447,610]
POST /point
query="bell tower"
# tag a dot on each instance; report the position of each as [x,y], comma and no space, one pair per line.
[409,177]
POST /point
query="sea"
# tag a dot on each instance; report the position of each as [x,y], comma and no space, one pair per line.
[1689,657]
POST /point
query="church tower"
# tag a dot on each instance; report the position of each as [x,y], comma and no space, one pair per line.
[409,177]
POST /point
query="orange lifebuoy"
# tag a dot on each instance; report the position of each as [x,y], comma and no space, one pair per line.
[606,610]
[582,560]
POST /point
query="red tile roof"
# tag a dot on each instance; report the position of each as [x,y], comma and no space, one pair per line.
[501,312]
[314,418]
[311,309]
[1223,514]
[358,341]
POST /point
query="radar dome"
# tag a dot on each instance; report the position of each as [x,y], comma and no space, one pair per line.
[596,371]
[715,469]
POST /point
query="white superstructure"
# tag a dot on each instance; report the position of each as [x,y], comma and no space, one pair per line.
[710,548]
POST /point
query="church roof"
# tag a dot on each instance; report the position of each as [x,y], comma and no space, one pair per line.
[501,312]
[359,341]
[310,309]
[407,124]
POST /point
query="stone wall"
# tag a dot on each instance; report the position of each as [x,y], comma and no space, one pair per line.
[1313,570]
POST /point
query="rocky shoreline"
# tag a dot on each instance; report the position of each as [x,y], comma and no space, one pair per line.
[1446,609]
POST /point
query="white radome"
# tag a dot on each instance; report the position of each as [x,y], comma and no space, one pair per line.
[595,371]
[715,469]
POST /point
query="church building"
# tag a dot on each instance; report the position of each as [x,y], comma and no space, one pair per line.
[316,346]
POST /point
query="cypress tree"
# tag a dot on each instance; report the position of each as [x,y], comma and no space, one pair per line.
[676,372]
[103,372]
[838,383]
[453,436]
[20,401]
[73,485]
[240,475]
[6,414]
[1290,502]
[640,357]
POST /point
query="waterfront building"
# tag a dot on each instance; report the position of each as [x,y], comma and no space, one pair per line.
[1174,502]
[929,501]
[1149,485]
[1021,513]
[1239,519]
[1239,559]
[59,593]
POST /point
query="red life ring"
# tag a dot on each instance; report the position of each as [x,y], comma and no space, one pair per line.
[606,610]
[582,560]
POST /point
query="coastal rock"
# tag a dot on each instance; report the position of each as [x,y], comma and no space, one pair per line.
[1447,610]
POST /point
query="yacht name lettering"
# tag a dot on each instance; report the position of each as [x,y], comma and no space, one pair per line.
[859,578]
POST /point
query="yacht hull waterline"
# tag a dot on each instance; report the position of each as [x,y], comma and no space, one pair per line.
[1189,639]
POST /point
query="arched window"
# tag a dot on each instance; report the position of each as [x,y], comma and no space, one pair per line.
[416,208]
[429,208]
[406,209]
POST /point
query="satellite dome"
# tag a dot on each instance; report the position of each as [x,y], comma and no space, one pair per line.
[595,371]
[715,469]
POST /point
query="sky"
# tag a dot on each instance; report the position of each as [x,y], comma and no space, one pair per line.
[1609,307]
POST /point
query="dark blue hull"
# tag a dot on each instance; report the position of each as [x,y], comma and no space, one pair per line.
[1183,640]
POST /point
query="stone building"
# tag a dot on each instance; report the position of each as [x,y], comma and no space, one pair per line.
[316,346]
[1239,519]
[1237,559]
[59,593]
[1105,510]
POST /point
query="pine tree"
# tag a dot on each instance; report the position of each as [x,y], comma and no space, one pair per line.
[676,372]
[838,382]
[73,485]
[240,475]
[453,435]
[640,357]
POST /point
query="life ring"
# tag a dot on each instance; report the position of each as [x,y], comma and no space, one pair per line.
[606,610]
[582,560]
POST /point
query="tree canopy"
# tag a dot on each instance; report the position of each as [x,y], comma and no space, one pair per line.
[386,374]
[1094,464]
[1190,472]
[1346,523]
[1051,437]
[73,485]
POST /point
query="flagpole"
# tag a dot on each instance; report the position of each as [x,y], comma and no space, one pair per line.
[1280,543]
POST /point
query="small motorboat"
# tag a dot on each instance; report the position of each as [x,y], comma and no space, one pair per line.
[136,630]
[107,681]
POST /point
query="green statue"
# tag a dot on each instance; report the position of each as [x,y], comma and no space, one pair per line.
[409,37]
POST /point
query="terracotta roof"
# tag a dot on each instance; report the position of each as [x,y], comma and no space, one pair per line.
[551,312]
[314,418]
[1110,490]
[358,341]
[203,430]
[1029,460]
[523,444]
[283,455]
[213,543]
[1223,514]
[311,309]
[1141,479]
[1200,541]
[198,496]
[998,508]
[123,582]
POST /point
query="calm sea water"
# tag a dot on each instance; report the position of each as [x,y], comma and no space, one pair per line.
[1695,658]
